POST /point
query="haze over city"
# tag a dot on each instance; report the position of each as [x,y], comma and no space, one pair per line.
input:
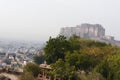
[40,19]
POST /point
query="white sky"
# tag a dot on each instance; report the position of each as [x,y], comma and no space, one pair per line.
[39,19]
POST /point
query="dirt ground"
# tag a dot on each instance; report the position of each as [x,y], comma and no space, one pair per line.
[11,76]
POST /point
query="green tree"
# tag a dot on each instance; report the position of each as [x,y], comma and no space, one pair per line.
[32,68]
[79,60]
[110,67]
[114,64]
[39,59]
[64,70]
[103,68]
[74,42]
[55,49]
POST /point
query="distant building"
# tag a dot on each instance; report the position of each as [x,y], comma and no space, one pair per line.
[90,31]
[109,37]
[84,31]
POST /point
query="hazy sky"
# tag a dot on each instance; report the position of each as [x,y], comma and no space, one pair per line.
[39,19]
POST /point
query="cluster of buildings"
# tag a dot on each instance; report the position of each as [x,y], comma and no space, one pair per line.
[89,31]
[13,62]
[12,59]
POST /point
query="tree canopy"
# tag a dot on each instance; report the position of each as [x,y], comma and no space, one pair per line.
[39,59]
[55,49]
[64,70]
[32,68]
[78,59]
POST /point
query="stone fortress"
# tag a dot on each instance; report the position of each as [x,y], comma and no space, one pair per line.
[89,31]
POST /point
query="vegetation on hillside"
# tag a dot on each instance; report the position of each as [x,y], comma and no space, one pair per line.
[32,68]
[78,59]
[71,57]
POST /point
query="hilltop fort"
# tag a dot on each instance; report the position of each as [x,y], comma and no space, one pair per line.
[89,31]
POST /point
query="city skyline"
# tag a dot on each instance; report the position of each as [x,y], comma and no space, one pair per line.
[40,19]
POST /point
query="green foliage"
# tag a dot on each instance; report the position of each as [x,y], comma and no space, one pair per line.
[114,64]
[103,68]
[80,61]
[27,76]
[69,56]
[74,40]
[64,70]
[32,68]
[110,67]
[56,48]
[38,59]
[91,43]
[91,76]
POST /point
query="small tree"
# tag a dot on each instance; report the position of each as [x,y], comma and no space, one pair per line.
[32,68]
[39,59]
[74,42]
[27,76]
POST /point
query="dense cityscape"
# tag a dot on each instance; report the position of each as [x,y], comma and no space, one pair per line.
[16,54]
